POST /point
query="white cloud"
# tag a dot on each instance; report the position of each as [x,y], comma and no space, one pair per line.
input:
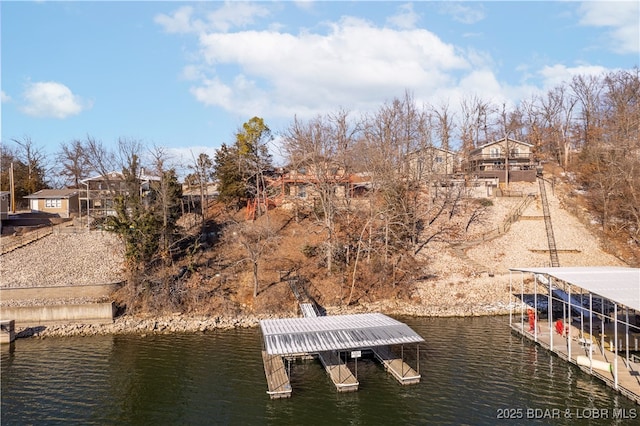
[51,99]
[4,97]
[236,14]
[229,15]
[310,72]
[351,64]
[406,18]
[179,22]
[555,75]
[622,17]
[463,13]
[304,4]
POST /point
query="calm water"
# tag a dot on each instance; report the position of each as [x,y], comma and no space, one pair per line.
[473,370]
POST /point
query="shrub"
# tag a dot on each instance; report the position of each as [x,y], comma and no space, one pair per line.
[309,250]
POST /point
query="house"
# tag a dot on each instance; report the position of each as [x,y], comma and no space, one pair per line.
[61,202]
[431,161]
[303,181]
[191,195]
[494,159]
[98,195]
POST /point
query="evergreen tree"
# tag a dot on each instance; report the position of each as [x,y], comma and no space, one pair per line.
[231,187]
[254,155]
[138,227]
[240,169]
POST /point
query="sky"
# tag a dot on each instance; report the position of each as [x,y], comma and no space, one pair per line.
[186,75]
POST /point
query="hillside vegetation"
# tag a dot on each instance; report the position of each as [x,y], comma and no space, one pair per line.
[215,275]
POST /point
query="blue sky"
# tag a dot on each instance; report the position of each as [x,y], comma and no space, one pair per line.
[186,75]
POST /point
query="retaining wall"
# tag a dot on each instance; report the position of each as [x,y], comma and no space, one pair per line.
[86,313]
[62,292]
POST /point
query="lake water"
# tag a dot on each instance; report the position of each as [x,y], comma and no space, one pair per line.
[474,372]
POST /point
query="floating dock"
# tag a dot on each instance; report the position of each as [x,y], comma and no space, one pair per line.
[331,337]
[588,316]
[337,370]
[277,377]
[399,369]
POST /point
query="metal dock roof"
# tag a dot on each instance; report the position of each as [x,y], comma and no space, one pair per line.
[290,336]
[618,284]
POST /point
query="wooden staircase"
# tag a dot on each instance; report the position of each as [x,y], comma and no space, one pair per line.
[553,250]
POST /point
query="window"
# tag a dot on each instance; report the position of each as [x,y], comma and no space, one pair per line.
[495,152]
[302,191]
[515,153]
[53,203]
[439,159]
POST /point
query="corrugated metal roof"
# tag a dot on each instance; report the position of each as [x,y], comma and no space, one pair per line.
[288,336]
[618,284]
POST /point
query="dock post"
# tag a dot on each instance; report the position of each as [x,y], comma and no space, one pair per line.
[7,331]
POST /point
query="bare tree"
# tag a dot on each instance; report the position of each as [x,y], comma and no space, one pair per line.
[202,167]
[557,112]
[167,194]
[256,238]
[73,161]
[444,126]
[35,161]
[322,146]
[100,159]
[474,121]
[587,89]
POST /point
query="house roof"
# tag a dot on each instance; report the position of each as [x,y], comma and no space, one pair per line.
[431,148]
[331,333]
[53,193]
[618,284]
[502,141]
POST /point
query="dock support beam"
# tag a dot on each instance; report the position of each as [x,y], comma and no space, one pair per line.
[7,331]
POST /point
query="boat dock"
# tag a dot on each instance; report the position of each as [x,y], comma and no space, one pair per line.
[277,377]
[588,316]
[399,369]
[338,371]
[590,357]
[334,339]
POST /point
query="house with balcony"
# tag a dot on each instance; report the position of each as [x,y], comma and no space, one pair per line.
[507,159]
[99,192]
[302,182]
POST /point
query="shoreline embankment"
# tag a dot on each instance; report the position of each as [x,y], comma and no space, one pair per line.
[192,323]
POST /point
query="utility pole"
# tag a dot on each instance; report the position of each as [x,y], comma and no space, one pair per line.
[506,161]
[12,188]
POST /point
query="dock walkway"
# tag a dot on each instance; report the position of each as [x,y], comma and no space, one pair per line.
[337,370]
[399,369]
[277,378]
[576,350]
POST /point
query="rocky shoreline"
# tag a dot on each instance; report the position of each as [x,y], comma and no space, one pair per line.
[184,323]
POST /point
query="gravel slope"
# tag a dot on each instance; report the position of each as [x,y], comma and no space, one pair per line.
[64,259]
[460,286]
